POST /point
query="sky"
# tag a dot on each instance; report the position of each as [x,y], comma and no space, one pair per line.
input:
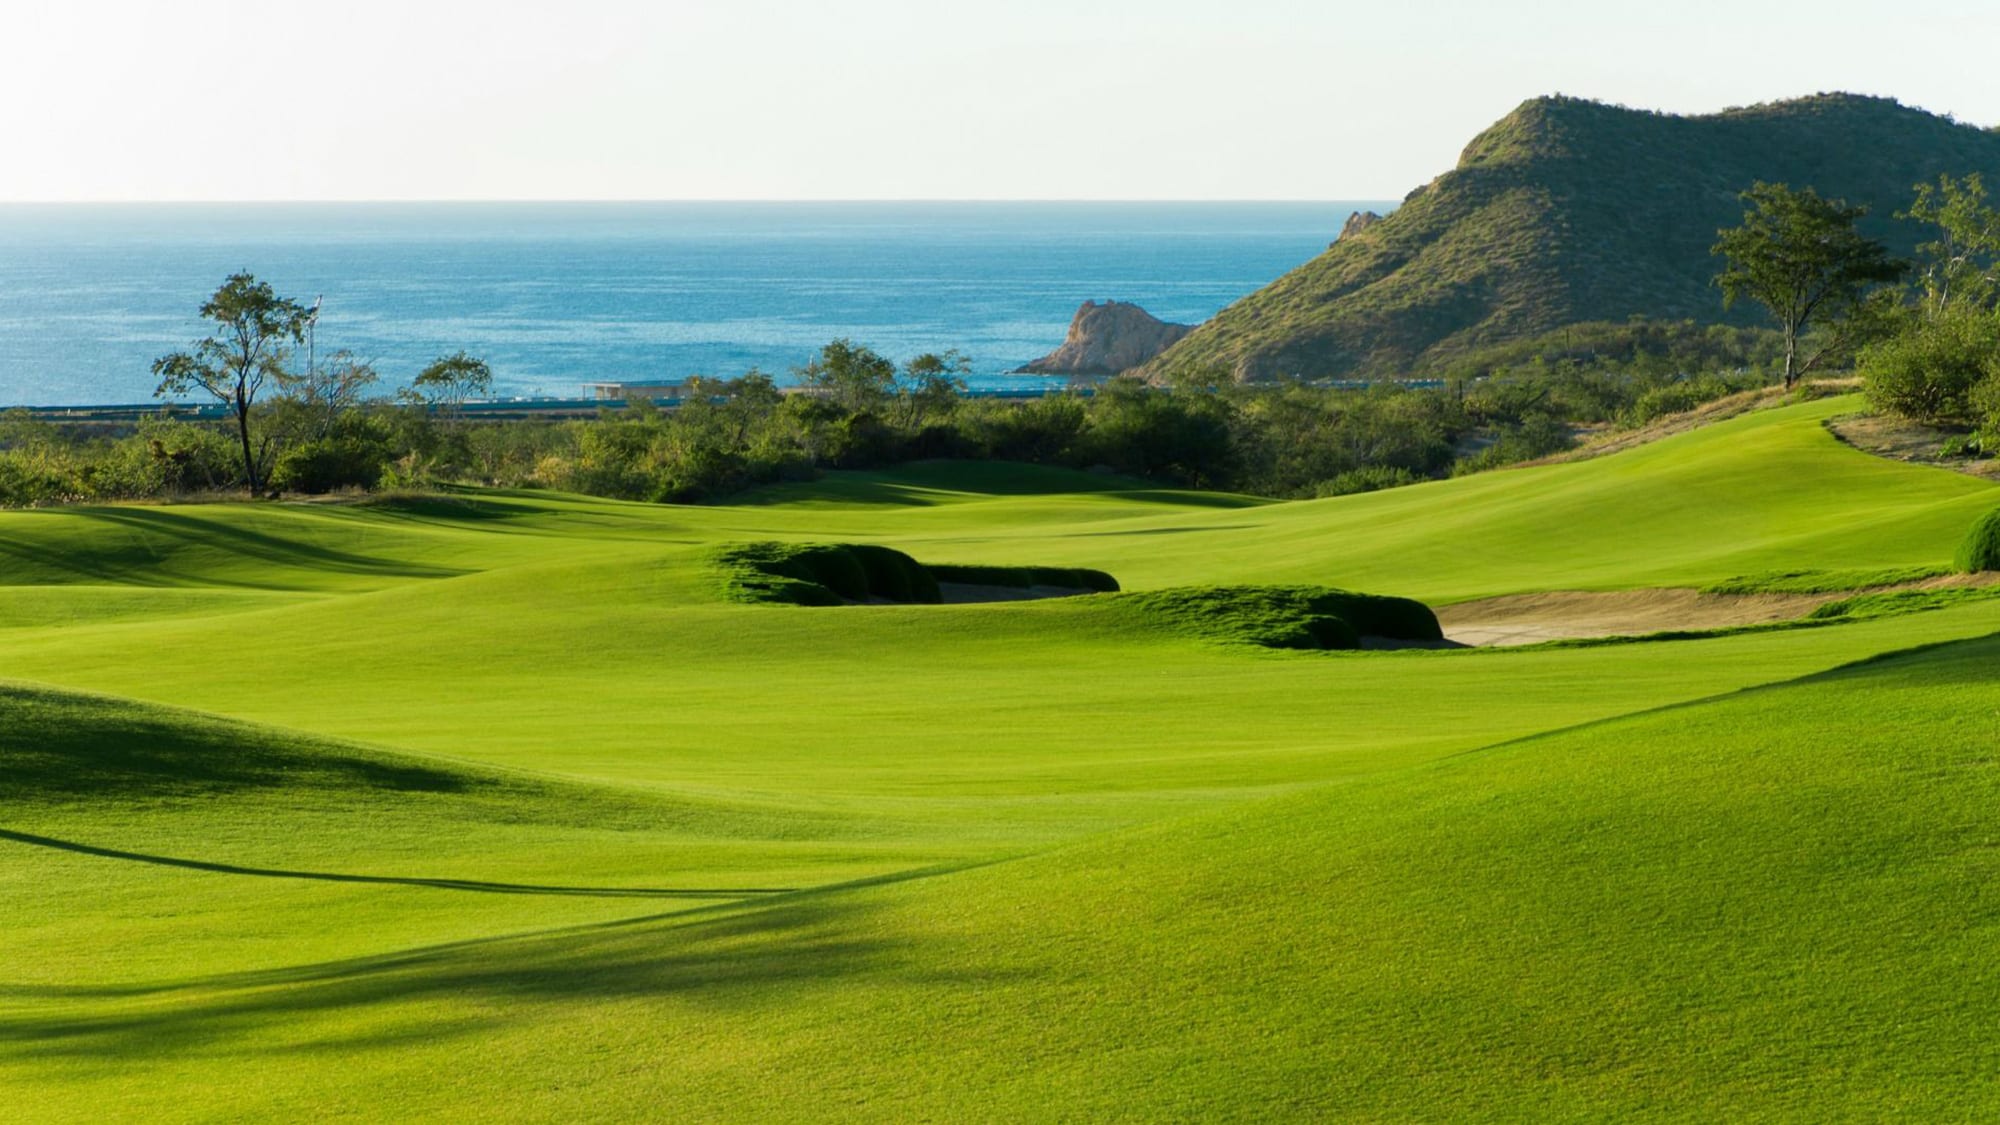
[888,99]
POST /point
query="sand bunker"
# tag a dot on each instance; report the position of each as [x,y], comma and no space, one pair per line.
[1525,619]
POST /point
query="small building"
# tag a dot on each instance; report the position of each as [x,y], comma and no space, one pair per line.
[619,392]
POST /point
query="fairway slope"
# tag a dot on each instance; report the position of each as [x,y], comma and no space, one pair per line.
[1764,491]
[507,805]
[1769,904]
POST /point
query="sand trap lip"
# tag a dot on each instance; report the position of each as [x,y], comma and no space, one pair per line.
[1526,619]
[967,593]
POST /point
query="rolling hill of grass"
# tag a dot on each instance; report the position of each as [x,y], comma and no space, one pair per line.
[1569,211]
[499,806]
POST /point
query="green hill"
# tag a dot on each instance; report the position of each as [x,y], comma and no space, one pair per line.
[1569,211]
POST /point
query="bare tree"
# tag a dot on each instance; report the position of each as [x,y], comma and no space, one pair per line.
[255,331]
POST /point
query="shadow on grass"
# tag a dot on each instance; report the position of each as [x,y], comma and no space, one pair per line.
[390,880]
[258,545]
[161,534]
[55,745]
[723,955]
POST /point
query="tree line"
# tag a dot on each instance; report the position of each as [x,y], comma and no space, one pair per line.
[325,425]
[1924,335]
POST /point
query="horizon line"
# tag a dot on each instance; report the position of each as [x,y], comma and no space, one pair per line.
[609,200]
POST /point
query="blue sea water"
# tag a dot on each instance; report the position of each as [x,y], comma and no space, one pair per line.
[556,294]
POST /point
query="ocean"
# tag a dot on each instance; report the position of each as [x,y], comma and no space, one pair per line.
[554,295]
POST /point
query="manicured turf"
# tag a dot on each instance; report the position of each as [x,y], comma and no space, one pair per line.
[500,806]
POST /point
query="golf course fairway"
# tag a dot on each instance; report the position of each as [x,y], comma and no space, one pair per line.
[517,806]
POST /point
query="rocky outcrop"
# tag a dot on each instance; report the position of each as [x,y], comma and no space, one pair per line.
[1109,338]
[1356,223]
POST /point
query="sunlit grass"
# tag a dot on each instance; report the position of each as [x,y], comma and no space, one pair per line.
[499,806]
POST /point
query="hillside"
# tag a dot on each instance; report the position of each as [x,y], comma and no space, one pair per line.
[1568,211]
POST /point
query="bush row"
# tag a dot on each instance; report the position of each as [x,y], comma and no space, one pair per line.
[1293,440]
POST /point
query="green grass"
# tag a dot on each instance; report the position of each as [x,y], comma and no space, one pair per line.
[502,806]
[1822,581]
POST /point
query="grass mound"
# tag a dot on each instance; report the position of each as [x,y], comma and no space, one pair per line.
[65,746]
[825,573]
[1981,547]
[1298,617]
[839,573]
[1026,577]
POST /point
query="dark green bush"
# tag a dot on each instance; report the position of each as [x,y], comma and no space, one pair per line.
[1930,370]
[331,463]
[1980,549]
[1371,478]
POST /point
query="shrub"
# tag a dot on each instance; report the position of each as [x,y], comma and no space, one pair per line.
[330,463]
[34,478]
[1928,371]
[1985,403]
[167,457]
[1371,478]
[1980,549]
[1538,435]
[1676,397]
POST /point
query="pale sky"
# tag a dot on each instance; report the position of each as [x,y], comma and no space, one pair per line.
[888,99]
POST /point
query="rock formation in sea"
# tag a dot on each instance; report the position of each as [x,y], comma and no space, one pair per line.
[1108,338]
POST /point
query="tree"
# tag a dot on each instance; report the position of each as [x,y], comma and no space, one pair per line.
[325,393]
[1799,256]
[255,329]
[453,379]
[856,378]
[1960,266]
[932,384]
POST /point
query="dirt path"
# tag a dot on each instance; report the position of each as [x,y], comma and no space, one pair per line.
[1525,619]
